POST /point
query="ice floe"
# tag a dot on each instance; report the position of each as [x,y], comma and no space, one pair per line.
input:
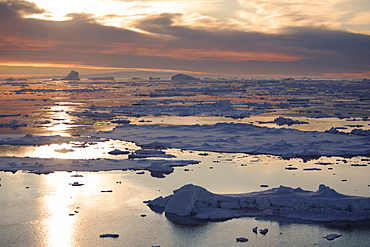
[219,108]
[241,239]
[332,236]
[323,205]
[243,138]
[14,164]
[118,152]
[286,121]
[40,140]
[145,153]
[12,124]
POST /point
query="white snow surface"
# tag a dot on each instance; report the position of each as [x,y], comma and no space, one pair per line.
[323,205]
[243,138]
[14,164]
[39,140]
[197,108]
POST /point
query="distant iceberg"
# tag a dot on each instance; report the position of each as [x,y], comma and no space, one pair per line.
[73,75]
[183,77]
[106,78]
[324,205]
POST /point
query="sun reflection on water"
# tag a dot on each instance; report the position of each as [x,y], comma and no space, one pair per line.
[59,225]
[60,118]
[65,206]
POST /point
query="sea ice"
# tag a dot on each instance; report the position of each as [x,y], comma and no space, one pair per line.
[332,236]
[13,124]
[241,239]
[183,77]
[73,75]
[117,152]
[49,165]
[323,205]
[244,138]
[109,235]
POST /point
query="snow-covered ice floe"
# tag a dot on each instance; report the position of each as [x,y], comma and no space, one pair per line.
[197,108]
[14,164]
[13,124]
[36,140]
[243,138]
[323,205]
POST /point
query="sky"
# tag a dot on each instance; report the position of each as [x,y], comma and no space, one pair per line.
[249,38]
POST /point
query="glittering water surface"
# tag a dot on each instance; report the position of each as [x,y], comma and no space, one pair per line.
[45,210]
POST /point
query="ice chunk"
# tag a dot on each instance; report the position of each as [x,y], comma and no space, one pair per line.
[181,203]
[73,75]
[241,239]
[158,167]
[264,231]
[323,205]
[117,152]
[332,236]
[109,235]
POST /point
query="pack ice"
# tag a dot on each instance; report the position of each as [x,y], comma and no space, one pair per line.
[243,138]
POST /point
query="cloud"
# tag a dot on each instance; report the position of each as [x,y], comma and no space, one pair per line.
[18,7]
[272,16]
[177,42]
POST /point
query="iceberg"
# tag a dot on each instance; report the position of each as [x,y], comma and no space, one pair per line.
[73,75]
[323,205]
[183,77]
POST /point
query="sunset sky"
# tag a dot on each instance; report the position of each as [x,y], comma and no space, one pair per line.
[266,38]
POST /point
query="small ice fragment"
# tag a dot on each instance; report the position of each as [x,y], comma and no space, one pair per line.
[241,239]
[264,231]
[63,150]
[109,235]
[203,154]
[76,184]
[77,175]
[121,121]
[358,165]
[332,236]
[312,169]
[117,152]
[291,168]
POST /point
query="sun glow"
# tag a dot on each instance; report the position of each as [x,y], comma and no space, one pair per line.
[110,13]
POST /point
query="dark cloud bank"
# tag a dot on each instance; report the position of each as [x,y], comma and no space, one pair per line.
[82,41]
